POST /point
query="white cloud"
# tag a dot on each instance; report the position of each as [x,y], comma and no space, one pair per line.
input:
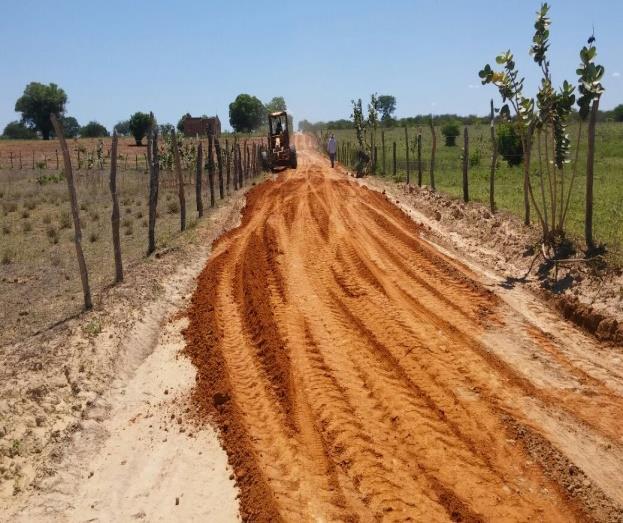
[616,74]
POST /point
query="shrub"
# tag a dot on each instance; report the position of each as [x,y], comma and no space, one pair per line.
[6,230]
[64,220]
[474,158]
[93,236]
[94,215]
[25,214]
[47,219]
[139,125]
[27,227]
[173,207]
[509,144]
[9,207]
[18,131]
[52,234]
[93,130]
[450,131]
[7,257]
[127,222]
[129,230]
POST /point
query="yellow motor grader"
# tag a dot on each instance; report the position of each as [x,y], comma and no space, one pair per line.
[281,151]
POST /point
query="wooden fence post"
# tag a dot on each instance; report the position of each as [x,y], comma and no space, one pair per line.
[75,211]
[419,159]
[56,159]
[20,161]
[234,158]
[199,180]
[590,164]
[211,169]
[494,160]
[383,151]
[407,153]
[114,218]
[180,181]
[219,159]
[394,158]
[227,167]
[33,159]
[11,155]
[240,167]
[465,165]
[432,154]
[154,174]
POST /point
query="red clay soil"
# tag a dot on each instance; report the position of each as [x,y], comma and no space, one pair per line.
[356,373]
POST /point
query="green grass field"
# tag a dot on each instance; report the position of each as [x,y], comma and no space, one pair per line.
[608,188]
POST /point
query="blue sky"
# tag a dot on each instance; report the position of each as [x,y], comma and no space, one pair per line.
[114,58]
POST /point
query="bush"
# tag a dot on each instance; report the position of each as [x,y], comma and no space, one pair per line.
[7,257]
[509,144]
[18,131]
[27,227]
[52,234]
[64,220]
[173,207]
[450,131]
[93,130]
[139,125]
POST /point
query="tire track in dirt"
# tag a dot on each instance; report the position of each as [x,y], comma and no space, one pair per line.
[356,374]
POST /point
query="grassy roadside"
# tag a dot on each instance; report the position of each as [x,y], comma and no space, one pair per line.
[608,219]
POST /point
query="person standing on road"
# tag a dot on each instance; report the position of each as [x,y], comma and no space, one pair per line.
[332,149]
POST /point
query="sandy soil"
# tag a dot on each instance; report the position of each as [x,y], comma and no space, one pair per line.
[357,371]
[94,416]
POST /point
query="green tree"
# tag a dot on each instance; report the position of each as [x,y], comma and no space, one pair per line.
[278,103]
[450,131]
[246,113]
[18,131]
[617,112]
[386,105]
[93,130]
[180,123]
[71,127]
[139,125]
[37,103]
[123,128]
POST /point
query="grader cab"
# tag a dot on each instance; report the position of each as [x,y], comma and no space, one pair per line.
[281,152]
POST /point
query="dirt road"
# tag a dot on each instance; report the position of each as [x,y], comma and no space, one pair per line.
[357,373]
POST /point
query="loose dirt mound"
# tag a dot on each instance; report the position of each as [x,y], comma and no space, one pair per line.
[357,373]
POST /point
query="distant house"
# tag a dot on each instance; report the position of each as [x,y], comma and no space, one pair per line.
[202,126]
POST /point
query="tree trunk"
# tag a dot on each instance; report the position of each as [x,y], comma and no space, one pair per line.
[465,165]
[154,174]
[180,181]
[75,211]
[114,219]
[211,169]
[590,164]
[199,180]
[526,176]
